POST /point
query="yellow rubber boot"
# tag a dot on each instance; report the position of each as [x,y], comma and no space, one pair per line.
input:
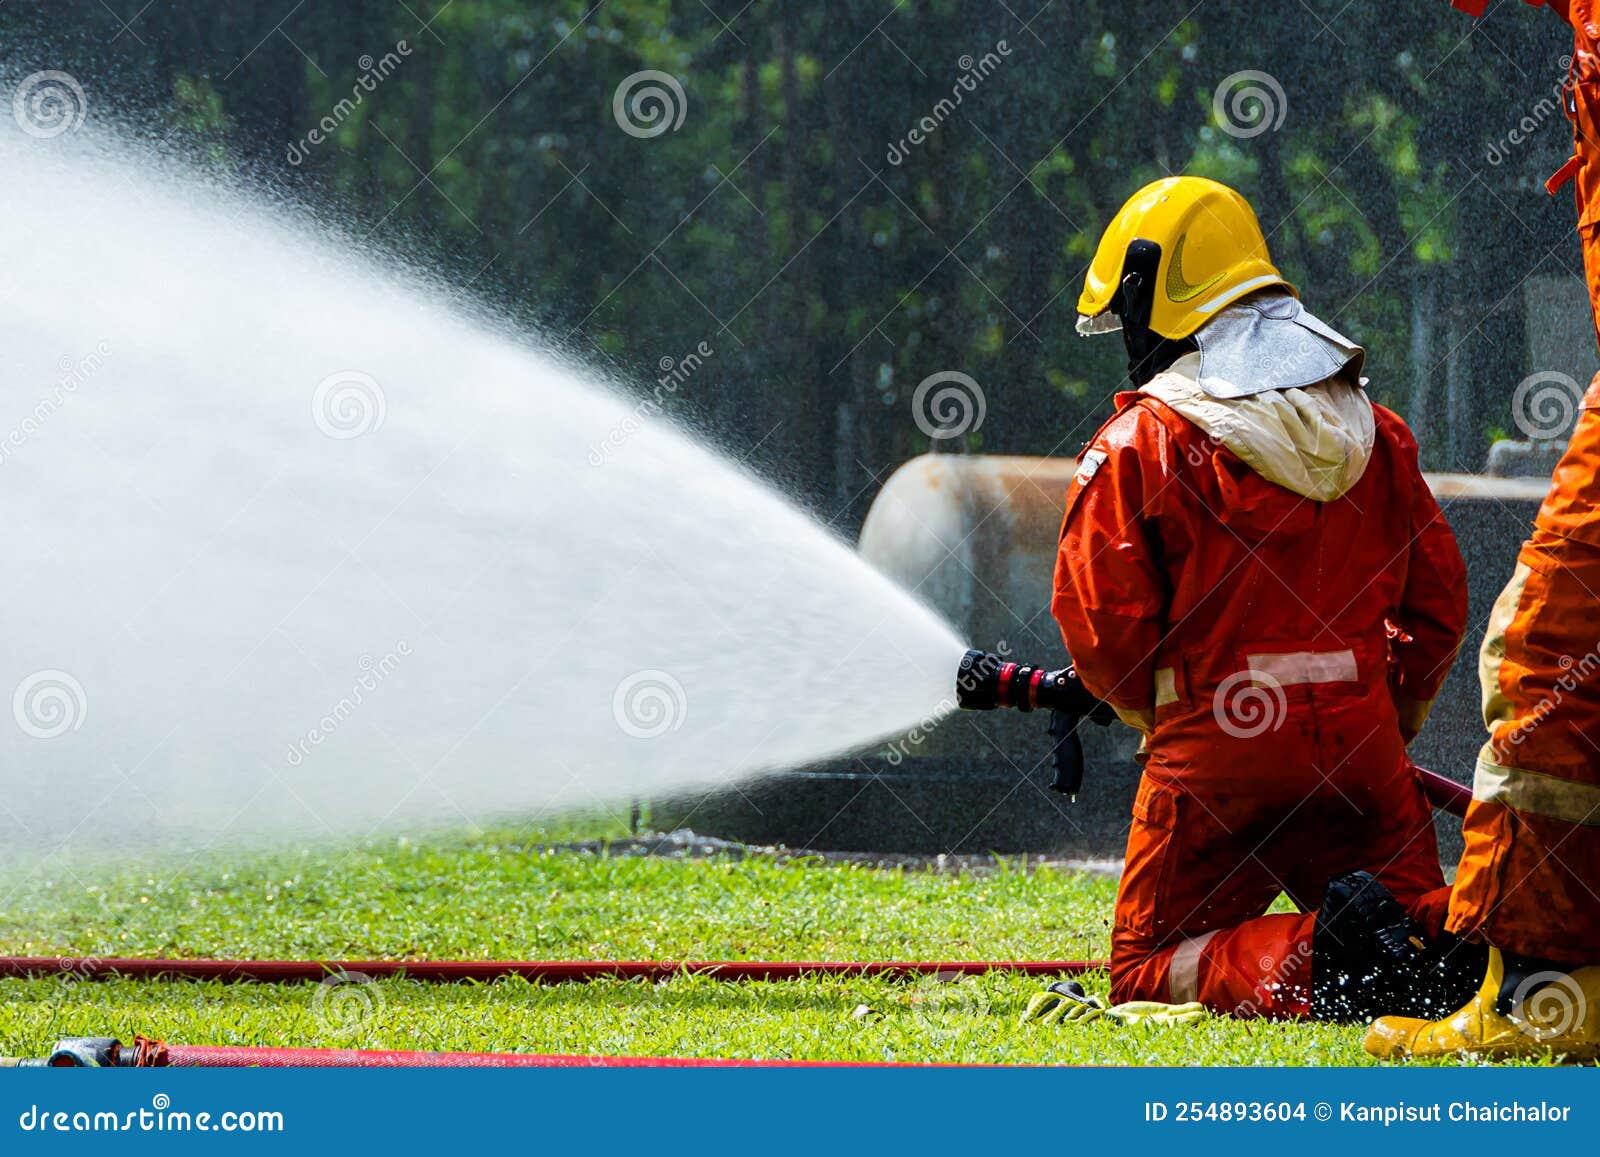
[1555,1013]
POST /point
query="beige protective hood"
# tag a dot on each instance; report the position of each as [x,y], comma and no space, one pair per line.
[1314,441]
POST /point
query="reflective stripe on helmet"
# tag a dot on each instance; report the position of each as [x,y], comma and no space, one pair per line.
[1236,292]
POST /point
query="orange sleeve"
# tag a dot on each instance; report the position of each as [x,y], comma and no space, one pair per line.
[1432,615]
[1476,8]
[1110,593]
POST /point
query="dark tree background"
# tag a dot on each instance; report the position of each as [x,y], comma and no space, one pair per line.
[773,226]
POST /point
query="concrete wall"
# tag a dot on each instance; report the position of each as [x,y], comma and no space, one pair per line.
[1560,329]
[976,537]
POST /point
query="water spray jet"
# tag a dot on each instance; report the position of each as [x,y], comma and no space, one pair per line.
[303,532]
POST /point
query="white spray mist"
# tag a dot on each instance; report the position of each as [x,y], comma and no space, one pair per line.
[294,546]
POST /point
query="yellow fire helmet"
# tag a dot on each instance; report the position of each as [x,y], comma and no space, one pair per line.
[1190,246]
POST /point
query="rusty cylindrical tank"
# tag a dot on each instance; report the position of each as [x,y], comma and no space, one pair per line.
[976,537]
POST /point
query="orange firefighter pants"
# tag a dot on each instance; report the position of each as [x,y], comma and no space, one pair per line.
[1204,866]
[1529,880]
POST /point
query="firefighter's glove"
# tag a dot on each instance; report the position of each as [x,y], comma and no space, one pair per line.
[1066,1002]
[1153,1012]
[1063,1002]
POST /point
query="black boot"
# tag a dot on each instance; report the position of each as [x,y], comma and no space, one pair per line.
[1525,976]
[1369,958]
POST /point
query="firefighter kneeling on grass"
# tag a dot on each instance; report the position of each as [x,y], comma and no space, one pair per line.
[1253,572]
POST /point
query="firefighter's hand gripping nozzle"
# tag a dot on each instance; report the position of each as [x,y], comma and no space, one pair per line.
[985,681]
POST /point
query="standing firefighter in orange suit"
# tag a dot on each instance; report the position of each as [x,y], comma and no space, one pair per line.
[1529,880]
[1253,572]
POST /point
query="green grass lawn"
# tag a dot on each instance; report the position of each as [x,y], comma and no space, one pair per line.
[499,895]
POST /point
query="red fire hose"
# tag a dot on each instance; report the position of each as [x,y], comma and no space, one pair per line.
[242,1057]
[548,971]
[1444,794]
[147,1053]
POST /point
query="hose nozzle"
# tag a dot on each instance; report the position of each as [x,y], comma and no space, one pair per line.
[985,681]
